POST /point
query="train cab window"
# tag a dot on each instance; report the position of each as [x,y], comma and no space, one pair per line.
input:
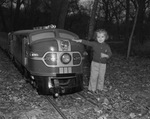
[14,38]
[39,36]
[66,35]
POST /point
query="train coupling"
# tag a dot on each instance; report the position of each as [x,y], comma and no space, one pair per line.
[56,95]
[56,92]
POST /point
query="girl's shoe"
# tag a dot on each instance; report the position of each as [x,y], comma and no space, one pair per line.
[96,92]
[91,92]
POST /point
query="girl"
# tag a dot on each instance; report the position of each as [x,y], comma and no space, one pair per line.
[101,52]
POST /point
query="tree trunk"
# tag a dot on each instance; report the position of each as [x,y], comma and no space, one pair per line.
[127,23]
[16,17]
[91,27]
[106,2]
[56,7]
[11,12]
[92,19]
[3,19]
[131,36]
[63,13]
[31,20]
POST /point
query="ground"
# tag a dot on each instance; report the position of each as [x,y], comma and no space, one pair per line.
[127,94]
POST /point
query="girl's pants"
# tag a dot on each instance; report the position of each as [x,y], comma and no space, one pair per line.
[97,76]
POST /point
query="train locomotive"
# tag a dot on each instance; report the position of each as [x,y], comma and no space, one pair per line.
[48,59]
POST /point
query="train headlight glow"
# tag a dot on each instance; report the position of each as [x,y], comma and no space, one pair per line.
[33,54]
[52,49]
[66,58]
[51,58]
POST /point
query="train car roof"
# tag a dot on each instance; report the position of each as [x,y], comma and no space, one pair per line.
[22,32]
[27,32]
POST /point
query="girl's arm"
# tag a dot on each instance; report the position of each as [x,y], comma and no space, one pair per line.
[85,42]
[78,41]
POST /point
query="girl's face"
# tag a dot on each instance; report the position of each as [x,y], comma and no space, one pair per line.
[101,37]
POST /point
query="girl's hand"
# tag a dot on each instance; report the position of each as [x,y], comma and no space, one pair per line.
[104,55]
[78,41]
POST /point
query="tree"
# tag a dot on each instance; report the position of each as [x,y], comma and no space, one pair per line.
[106,8]
[133,29]
[92,19]
[127,22]
[3,19]
[16,17]
[59,12]
[63,13]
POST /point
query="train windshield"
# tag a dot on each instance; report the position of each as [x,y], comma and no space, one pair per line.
[39,36]
[66,35]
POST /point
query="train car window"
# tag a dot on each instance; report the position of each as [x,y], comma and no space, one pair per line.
[39,36]
[66,35]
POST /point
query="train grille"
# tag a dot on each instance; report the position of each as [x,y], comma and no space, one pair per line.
[64,80]
[76,58]
[65,70]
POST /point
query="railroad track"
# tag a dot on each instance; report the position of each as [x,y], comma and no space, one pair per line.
[54,104]
[74,106]
[89,100]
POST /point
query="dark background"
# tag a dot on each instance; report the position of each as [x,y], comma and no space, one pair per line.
[82,17]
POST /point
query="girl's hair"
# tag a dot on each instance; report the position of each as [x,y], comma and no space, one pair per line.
[101,31]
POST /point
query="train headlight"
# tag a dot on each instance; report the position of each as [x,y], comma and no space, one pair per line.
[51,58]
[65,58]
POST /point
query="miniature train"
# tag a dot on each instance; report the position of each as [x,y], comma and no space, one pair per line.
[48,59]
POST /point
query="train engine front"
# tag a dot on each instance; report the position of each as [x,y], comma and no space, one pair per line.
[54,62]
